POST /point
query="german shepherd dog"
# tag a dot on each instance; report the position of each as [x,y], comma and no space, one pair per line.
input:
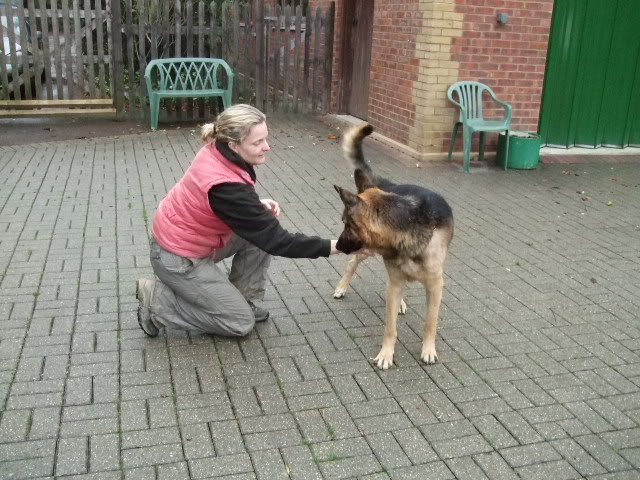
[410,226]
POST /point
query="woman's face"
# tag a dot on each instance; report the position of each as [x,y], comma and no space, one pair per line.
[253,148]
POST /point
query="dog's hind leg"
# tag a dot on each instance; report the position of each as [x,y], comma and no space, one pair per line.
[341,289]
[384,359]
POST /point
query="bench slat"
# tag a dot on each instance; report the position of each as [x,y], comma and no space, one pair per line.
[189,93]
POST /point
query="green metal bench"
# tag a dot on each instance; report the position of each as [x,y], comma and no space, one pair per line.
[186,78]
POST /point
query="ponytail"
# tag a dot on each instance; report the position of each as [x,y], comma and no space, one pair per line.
[208,132]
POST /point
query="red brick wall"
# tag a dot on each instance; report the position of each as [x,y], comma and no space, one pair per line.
[394,67]
[509,58]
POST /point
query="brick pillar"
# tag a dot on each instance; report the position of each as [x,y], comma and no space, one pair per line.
[434,116]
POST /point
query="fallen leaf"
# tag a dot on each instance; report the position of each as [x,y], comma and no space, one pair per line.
[332,137]
[609,204]
[586,198]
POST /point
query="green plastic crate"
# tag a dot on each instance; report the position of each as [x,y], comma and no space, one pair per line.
[524,150]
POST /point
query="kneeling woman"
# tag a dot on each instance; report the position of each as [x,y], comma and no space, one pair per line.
[212,213]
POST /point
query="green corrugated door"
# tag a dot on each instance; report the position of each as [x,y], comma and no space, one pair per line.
[592,82]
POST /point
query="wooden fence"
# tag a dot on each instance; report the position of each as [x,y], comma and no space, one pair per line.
[67,49]
[55,49]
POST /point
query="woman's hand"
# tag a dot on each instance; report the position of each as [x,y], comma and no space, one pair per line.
[271,205]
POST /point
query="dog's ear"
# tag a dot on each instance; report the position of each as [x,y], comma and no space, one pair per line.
[363,180]
[348,198]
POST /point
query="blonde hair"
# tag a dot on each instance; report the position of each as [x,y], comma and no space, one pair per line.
[233,124]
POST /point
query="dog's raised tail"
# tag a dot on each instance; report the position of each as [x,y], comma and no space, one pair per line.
[352,146]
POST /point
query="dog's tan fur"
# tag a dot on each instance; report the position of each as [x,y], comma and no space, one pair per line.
[412,251]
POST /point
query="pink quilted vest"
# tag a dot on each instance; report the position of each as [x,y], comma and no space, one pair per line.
[184,223]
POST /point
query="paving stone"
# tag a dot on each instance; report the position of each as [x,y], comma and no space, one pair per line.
[313,427]
[349,467]
[373,408]
[45,423]
[448,430]
[388,450]
[579,459]
[104,452]
[588,416]
[518,427]
[245,402]
[603,453]
[433,470]
[266,423]
[415,446]
[383,423]
[529,454]
[173,471]
[152,455]
[269,465]
[72,457]
[220,466]
[28,468]
[14,425]
[463,446]
[205,407]
[465,468]
[267,440]
[301,463]
[227,438]
[315,401]
[339,423]
[493,432]
[347,389]
[494,466]
[559,469]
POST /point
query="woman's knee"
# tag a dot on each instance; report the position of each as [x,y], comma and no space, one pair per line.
[241,327]
[246,328]
[238,323]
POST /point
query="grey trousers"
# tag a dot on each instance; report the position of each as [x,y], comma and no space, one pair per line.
[195,294]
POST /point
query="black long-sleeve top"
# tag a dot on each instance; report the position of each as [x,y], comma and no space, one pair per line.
[239,207]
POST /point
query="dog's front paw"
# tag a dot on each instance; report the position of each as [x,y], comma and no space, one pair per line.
[339,292]
[429,354]
[385,358]
[403,307]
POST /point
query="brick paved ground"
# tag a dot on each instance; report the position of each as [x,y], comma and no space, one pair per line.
[539,340]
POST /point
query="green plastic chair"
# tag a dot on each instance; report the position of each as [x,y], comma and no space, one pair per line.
[470,104]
